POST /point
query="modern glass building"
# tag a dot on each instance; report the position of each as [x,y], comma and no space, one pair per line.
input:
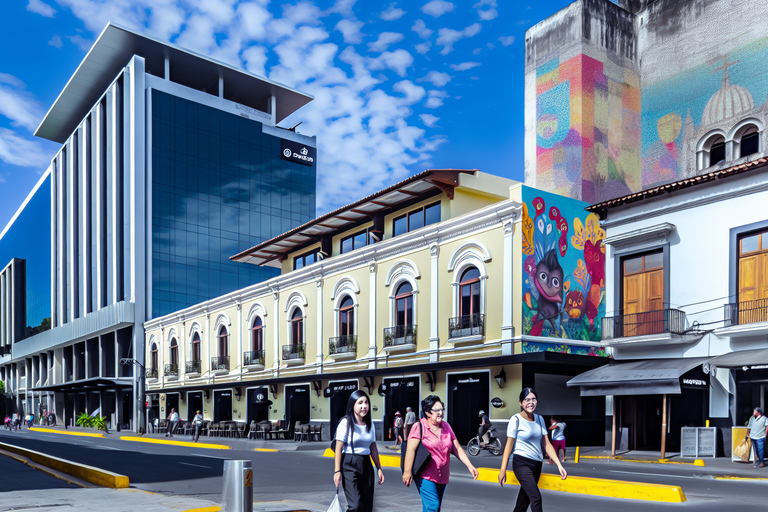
[170,163]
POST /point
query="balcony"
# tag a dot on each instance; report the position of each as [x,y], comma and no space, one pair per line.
[343,347]
[745,319]
[470,327]
[193,367]
[151,373]
[400,338]
[293,354]
[220,364]
[253,359]
[171,370]
[650,327]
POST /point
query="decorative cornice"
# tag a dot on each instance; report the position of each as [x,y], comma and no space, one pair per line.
[641,236]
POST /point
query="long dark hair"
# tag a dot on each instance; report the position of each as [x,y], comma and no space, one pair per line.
[353,398]
[524,393]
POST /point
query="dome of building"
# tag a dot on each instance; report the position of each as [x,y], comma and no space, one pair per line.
[730,100]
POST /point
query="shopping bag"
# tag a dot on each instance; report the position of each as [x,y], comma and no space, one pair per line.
[742,451]
[335,505]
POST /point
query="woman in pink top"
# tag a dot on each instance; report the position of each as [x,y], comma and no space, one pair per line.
[438,437]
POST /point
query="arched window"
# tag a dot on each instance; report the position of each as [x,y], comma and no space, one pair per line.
[404,304]
[297,327]
[711,151]
[347,317]
[223,342]
[196,347]
[174,353]
[153,358]
[257,334]
[469,292]
[749,141]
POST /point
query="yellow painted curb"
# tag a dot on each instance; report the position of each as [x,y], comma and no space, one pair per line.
[66,433]
[596,486]
[266,450]
[730,477]
[91,474]
[175,443]
[387,461]
[204,509]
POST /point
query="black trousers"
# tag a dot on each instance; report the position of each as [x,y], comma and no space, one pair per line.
[527,472]
[357,478]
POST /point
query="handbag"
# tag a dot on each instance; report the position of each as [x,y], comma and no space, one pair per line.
[335,505]
[420,458]
[742,451]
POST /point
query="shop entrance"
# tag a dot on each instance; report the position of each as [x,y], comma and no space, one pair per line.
[297,406]
[399,394]
[194,404]
[171,402]
[468,394]
[641,415]
[222,406]
[258,405]
[340,392]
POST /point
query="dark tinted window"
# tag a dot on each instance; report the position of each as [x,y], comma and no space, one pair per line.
[432,214]
[416,219]
[401,226]
[750,144]
[717,153]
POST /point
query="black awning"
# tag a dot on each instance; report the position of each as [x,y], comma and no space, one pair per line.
[647,377]
[94,384]
[741,359]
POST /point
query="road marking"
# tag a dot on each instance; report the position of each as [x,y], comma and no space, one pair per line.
[210,456]
[109,448]
[196,465]
[651,474]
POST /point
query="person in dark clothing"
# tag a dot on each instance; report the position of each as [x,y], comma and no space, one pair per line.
[485,426]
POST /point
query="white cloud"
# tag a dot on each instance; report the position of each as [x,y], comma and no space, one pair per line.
[385,39]
[486,9]
[447,36]
[435,99]
[412,92]
[18,106]
[17,150]
[507,40]
[423,48]
[41,8]
[392,13]
[398,61]
[464,66]
[437,8]
[56,41]
[421,28]
[350,30]
[255,58]
[437,78]
[429,120]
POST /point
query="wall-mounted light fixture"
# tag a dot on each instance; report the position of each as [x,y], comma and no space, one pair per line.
[317,385]
[368,384]
[207,394]
[431,380]
[501,378]
[238,393]
[273,390]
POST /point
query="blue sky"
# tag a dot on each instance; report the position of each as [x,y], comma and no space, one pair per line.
[399,86]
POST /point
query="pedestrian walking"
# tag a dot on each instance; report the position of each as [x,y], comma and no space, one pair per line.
[354,448]
[15,420]
[197,421]
[558,437]
[410,421]
[7,422]
[526,434]
[758,425]
[397,427]
[437,436]
[174,421]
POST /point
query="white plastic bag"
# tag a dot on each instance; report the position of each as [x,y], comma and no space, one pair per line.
[335,505]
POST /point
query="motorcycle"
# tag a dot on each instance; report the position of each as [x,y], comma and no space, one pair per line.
[493,446]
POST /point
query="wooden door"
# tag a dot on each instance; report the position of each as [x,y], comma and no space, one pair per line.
[643,295]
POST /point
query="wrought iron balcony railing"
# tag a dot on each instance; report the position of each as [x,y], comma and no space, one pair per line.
[253,357]
[399,335]
[467,325]
[747,312]
[343,344]
[193,366]
[220,363]
[642,324]
[151,373]
[293,351]
[171,370]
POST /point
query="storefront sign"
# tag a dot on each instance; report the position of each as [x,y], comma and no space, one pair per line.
[298,153]
[470,380]
[497,402]
[698,442]
[694,383]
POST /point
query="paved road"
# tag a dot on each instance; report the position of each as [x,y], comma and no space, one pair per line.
[305,475]
[17,476]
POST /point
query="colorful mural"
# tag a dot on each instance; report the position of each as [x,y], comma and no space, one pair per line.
[563,268]
[587,129]
[681,109]
[528,347]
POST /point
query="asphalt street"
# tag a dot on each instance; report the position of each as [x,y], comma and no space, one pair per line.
[306,475]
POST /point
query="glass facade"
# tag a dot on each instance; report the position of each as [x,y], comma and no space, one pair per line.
[29,239]
[219,187]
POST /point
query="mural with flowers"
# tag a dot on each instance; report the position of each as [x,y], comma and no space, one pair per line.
[563,268]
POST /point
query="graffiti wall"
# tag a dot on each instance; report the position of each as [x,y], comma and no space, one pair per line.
[563,268]
[587,128]
[713,94]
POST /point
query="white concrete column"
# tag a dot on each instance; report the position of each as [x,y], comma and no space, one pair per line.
[205,348]
[240,360]
[320,334]
[507,312]
[434,338]
[372,352]
[276,324]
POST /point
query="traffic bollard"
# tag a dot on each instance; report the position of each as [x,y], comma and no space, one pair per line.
[237,492]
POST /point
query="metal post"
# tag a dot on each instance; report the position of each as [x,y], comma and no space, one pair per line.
[664,428]
[613,428]
[237,492]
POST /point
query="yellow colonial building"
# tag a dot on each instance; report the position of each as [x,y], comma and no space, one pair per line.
[417,289]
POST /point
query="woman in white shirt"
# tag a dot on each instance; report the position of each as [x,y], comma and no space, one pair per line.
[355,446]
[526,434]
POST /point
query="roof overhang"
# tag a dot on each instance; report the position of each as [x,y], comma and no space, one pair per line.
[418,187]
[742,359]
[114,49]
[93,384]
[647,377]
